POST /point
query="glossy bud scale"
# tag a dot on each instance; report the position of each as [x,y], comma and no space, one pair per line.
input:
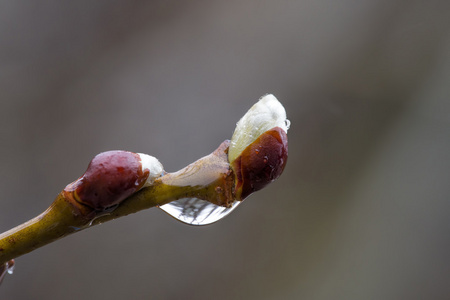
[261,162]
[110,178]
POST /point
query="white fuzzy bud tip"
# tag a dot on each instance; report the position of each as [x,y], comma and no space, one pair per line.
[266,114]
[153,165]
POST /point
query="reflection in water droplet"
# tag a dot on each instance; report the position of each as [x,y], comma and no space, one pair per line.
[195,211]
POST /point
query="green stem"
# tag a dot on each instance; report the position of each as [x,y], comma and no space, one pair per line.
[65,217]
[59,220]
[209,178]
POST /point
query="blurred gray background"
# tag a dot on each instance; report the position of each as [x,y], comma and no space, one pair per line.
[361,211]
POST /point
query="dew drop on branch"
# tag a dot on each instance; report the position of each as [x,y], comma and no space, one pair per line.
[10,266]
[195,211]
[288,124]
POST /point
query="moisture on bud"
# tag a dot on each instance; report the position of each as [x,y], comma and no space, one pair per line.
[261,162]
[259,146]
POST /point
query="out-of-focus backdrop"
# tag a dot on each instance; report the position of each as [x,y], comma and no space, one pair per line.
[362,209]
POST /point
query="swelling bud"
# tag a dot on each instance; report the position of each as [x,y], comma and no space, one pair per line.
[112,177]
[259,146]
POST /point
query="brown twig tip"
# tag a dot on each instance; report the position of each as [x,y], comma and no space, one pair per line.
[110,178]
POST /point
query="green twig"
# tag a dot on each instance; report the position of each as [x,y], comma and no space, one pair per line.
[66,215]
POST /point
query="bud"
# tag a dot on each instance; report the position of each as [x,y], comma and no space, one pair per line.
[113,176]
[259,146]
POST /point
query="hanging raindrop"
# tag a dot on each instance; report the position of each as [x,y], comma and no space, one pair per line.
[194,211]
[7,267]
[288,124]
[10,266]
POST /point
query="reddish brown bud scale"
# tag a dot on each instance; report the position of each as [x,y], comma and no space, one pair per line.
[110,178]
[261,162]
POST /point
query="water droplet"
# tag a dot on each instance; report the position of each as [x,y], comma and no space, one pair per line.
[288,124]
[7,267]
[195,211]
[10,266]
[107,211]
[266,159]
